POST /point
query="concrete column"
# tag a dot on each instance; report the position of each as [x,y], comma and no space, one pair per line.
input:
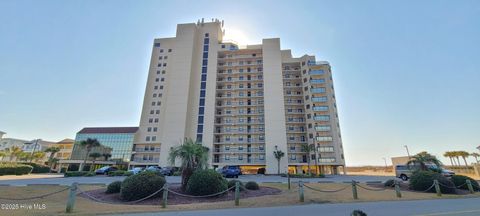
[275,129]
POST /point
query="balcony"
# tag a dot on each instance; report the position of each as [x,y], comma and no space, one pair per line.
[313,63]
[141,160]
[316,72]
[143,150]
[244,141]
[235,161]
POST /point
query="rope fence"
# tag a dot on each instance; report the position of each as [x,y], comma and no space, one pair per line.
[74,190]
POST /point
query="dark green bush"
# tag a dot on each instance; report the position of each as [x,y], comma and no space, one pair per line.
[177,173]
[90,174]
[117,173]
[39,168]
[422,180]
[389,183]
[142,185]
[358,213]
[128,173]
[114,187]
[251,185]
[14,169]
[461,180]
[231,183]
[205,182]
[75,173]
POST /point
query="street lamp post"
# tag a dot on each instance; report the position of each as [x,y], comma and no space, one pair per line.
[408,153]
[385,160]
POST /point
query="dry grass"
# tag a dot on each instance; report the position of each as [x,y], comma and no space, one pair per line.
[55,205]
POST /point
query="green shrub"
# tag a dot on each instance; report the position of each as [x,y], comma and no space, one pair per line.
[422,180]
[389,183]
[15,169]
[232,183]
[128,173]
[75,173]
[114,187]
[142,185]
[117,173]
[38,168]
[177,173]
[358,213]
[251,185]
[460,182]
[205,182]
[90,174]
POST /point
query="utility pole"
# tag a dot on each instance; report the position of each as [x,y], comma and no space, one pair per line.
[33,151]
[408,153]
[385,160]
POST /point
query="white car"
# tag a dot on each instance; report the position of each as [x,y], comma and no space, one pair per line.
[136,170]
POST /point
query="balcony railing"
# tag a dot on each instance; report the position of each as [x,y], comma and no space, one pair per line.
[141,160]
[147,150]
[312,63]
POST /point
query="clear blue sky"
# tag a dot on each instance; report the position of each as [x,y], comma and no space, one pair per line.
[405,73]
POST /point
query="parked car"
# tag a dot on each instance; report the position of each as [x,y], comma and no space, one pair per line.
[405,172]
[231,171]
[136,170]
[168,171]
[105,170]
[154,168]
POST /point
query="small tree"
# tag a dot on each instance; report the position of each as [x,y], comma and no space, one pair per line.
[88,144]
[422,159]
[450,156]
[52,150]
[94,155]
[193,156]
[37,156]
[2,154]
[278,155]
[15,152]
[308,148]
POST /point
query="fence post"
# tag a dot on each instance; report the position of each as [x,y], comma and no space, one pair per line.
[237,193]
[397,190]
[437,187]
[469,185]
[165,195]
[288,178]
[300,191]
[354,189]
[71,198]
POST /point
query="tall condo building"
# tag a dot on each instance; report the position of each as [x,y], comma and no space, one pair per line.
[243,103]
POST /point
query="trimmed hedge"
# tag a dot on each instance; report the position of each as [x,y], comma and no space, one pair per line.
[232,183]
[75,173]
[114,187]
[15,169]
[141,185]
[422,180]
[206,182]
[321,175]
[461,180]
[251,185]
[39,168]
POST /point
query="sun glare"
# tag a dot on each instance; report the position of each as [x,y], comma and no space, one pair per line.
[236,35]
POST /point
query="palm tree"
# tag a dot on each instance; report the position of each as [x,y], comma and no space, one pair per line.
[193,156]
[422,159]
[53,150]
[88,144]
[23,156]
[278,155]
[94,155]
[308,148]
[37,156]
[464,155]
[2,154]
[475,155]
[456,154]
[15,152]
[449,155]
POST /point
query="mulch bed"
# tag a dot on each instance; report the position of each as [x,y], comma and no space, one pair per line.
[174,199]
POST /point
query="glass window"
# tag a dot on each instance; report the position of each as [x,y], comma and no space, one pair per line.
[157,44]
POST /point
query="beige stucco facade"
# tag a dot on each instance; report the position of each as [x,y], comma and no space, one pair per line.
[238,102]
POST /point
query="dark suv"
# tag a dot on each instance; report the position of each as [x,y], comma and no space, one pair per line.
[231,171]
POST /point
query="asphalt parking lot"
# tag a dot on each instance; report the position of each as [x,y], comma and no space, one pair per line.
[60,180]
